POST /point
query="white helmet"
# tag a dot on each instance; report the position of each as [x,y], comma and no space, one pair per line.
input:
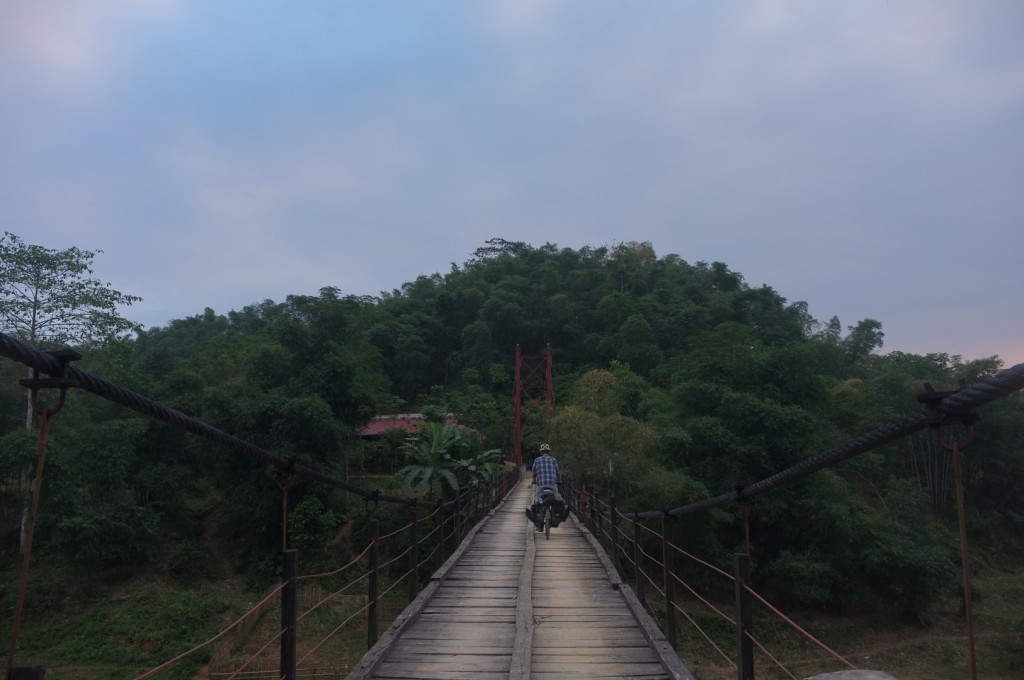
[545,448]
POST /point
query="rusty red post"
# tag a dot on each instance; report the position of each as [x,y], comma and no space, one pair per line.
[34,384]
[956,449]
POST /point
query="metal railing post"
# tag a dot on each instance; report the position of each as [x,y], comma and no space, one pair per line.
[288,615]
[441,536]
[414,553]
[458,521]
[573,498]
[588,509]
[614,535]
[372,613]
[668,582]
[595,513]
[744,645]
[637,563]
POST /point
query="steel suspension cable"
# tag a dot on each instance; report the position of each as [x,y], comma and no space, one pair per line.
[958,404]
[47,363]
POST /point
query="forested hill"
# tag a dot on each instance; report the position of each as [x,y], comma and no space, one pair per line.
[673,380]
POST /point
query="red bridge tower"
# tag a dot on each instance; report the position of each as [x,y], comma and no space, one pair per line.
[533,379]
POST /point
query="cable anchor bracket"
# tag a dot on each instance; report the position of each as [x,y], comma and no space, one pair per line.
[62,381]
[931,398]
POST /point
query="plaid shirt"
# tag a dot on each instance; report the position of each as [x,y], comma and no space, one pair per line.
[545,471]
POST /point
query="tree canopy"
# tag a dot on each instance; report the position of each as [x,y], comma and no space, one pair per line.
[49,297]
[673,381]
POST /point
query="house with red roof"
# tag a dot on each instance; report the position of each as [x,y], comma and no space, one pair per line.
[409,422]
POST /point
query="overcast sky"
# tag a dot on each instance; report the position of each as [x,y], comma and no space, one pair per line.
[866,156]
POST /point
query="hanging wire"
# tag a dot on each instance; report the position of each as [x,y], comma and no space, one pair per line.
[703,599]
[331,596]
[256,655]
[769,655]
[797,627]
[225,631]
[706,636]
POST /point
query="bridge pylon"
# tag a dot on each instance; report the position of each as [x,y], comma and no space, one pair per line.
[533,380]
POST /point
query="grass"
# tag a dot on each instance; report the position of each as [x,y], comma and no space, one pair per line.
[86,630]
[119,633]
[132,628]
[109,626]
[938,651]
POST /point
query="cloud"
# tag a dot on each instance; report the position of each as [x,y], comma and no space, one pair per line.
[223,153]
[520,17]
[71,43]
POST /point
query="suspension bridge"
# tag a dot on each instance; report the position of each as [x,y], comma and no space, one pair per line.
[602,598]
[513,604]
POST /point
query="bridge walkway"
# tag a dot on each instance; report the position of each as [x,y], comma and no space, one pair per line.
[510,604]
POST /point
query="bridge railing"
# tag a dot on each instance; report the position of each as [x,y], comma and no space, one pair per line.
[662,576]
[370,590]
[641,545]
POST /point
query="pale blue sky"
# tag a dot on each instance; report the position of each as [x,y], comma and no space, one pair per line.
[866,156]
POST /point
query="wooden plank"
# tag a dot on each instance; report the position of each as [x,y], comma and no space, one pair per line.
[463,618]
[467,663]
[624,655]
[399,673]
[442,571]
[582,623]
[505,633]
[618,639]
[583,627]
[473,606]
[557,675]
[519,668]
[560,605]
[414,646]
[445,655]
[599,668]
[372,658]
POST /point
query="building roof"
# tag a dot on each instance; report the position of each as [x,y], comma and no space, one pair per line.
[410,422]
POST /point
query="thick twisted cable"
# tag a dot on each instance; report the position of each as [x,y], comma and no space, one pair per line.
[47,363]
[1000,385]
[957,404]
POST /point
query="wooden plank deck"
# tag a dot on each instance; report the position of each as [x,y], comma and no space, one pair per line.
[513,605]
[583,627]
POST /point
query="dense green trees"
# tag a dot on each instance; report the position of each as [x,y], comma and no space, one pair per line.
[49,298]
[674,381]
